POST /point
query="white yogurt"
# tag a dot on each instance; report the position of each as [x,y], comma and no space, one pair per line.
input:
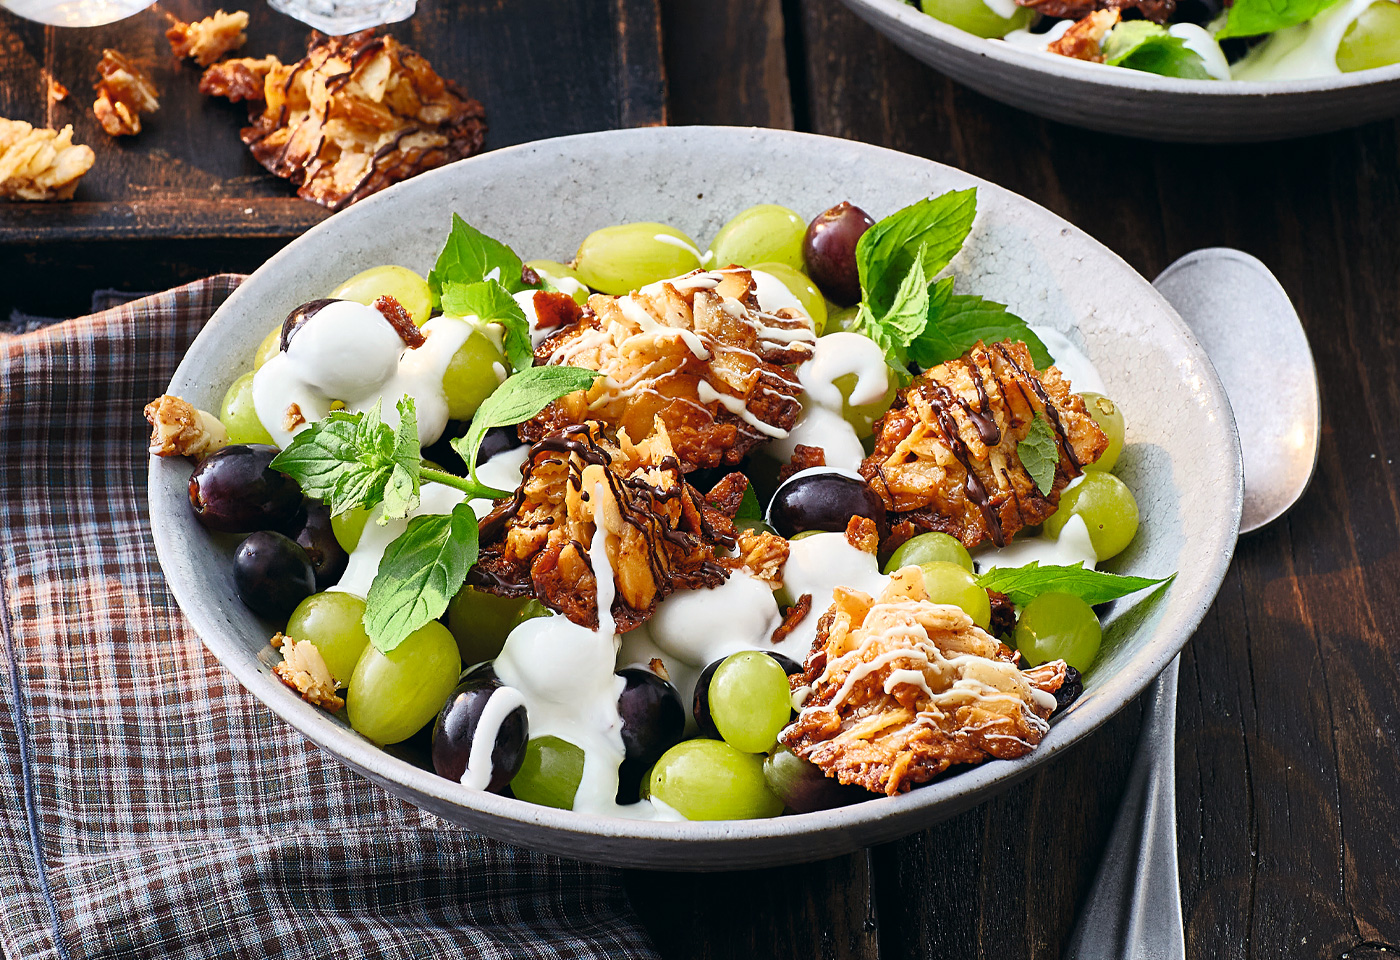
[1073,546]
[433,498]
[820,424]
[1304,51]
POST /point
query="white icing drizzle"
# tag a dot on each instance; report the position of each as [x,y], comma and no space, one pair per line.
[349,352]
[666,238]
[499,705]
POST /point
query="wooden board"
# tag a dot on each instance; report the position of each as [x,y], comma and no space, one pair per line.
[541,68]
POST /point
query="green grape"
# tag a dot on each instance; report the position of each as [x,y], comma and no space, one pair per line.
[550,774]
[554,272]
[270,347]
[710,780]
[481,621]
[620,259]
[806,533]
[334,622]
[840,319]
[405,286]
[239,417]
[801,287]
[392,695]
[750,701]
[1109,417]
[928,547]
[471,375]
[348,526]
[1108,509]
[1058,626]
[766,233]
[951,583]
[863,417]
[976,17]
[1373,40]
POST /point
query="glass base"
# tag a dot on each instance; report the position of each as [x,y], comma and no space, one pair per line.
[339,17]
[75,13]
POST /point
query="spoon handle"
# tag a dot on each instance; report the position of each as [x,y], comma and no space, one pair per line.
[1134,908]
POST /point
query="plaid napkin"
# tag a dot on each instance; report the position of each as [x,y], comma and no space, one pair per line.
[149,806]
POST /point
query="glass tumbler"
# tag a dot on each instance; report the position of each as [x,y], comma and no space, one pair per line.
[339,17]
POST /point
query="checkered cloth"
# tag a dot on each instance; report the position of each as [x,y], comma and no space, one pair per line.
[149,806]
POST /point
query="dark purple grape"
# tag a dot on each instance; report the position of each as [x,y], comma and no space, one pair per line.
[823,501]
[653,717]
[299,316]
[1070,690]
[802,786]
[497,440]
[237,491]
[700,703]
[272,574]
[829,249]
[456,729]
[312,529]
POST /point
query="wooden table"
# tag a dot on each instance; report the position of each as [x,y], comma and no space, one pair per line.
[1289,730]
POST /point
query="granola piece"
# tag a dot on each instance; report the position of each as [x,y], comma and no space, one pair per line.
[353,116]
[763,555]
[793,616]
[207,40]
[55,91]
[180,430]
[902,688]
[305,671]
[945,454]
[863,534]
[242,79]
[1084,40]
[1158,11]
[727,495]
[658,533]
[40,164]
[123,94]
[803,457]
[696,354]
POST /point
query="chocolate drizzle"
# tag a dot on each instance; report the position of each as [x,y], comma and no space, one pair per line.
[939,399]
[1050,411]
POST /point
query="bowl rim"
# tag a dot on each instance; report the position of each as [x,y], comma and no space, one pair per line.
[485,811]
[1105,76]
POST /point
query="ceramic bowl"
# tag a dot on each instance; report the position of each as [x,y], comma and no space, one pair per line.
[1116,100]
[1182,461]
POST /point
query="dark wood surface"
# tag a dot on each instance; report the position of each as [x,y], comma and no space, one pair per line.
[1289,729]
[188,175]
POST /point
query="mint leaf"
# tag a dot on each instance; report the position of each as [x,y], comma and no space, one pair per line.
[1143,45]
[421,571]
[349,459]
[470,256]
[965,319]
[905,319]
[1040,454]
[518,399]
[401,492]
[1024,584]
[749,508]
[1250,18]
[933,230]
[490,302]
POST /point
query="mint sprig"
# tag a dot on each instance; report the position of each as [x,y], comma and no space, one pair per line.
[470,256]
[1251,18]
[1024,584]
[914,317]
[1146,46]
[515,401]
[490,302]
[421,571]
[1040,454]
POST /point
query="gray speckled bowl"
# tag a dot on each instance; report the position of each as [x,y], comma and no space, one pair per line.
[1183,458]
[1131,102]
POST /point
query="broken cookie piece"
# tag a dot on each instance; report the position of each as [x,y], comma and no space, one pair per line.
[946,454]
[178,429]
[205,41]
[40,164]
[305,671]
[353,116]
[123,94]
[901,688]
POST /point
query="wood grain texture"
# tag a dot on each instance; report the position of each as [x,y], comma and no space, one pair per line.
[541,68]
[732,66]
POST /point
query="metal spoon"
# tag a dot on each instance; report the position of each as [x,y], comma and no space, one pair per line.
[1238,310]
